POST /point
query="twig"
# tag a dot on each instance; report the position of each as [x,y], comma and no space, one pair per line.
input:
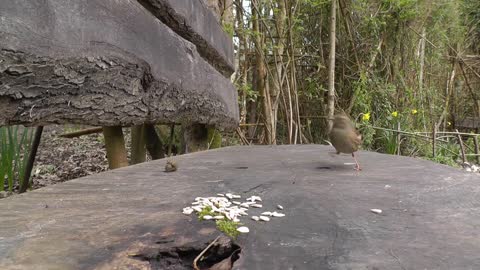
[81,132]
[203,252]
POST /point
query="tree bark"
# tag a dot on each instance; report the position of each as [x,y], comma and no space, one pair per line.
[264,94]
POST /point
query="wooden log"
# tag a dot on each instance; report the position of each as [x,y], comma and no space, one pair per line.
[104,63]
[115,145]
[192,20]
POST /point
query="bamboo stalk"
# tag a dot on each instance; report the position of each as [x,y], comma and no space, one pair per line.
[398,138]
[434,140]
[475,141]
[462,147]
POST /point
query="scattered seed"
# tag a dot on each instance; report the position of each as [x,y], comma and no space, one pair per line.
[221,194]
[257,205]
[187,210]
[276,214]
[197,208]
[218,217]
[243,229]
[207,217]
[255,218]
[266,213]
[376,211]
[237,203]
[236,196]
[280,207]
[264,218]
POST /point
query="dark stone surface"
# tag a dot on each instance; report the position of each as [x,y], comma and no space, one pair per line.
[192,20]
[123,217]
[103,62]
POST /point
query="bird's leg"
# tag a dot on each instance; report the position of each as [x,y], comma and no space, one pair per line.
[357,166]
[338,153]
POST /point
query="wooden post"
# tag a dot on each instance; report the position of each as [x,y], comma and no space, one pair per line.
[31,159]
[115,145]
[434,138]
[170,143]
[475,141]
[153,142]
[462,147]
[138,144]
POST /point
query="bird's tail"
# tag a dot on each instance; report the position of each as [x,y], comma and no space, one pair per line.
[328,142]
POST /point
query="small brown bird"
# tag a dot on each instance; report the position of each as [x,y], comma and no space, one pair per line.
[171,166]
[345,137]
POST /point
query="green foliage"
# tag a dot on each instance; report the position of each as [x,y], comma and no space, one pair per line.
[207,211]
[214,138]
[228,28]
[14,149]
[228,227]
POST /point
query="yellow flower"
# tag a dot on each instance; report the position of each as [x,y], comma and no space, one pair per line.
[395,114]
[449,123]
[414,111]
[366,117]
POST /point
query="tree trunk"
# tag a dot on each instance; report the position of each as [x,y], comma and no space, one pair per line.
[264,95]
[331,66]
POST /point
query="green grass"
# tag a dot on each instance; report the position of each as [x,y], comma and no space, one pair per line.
[205,211]
[228,227]
[14,149]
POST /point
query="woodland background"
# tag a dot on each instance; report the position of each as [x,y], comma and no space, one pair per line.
[408,65]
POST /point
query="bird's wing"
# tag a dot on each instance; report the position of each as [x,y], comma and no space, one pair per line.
[355,137]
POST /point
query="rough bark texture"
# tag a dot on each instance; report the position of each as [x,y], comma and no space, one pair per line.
[192,20]
[104,63]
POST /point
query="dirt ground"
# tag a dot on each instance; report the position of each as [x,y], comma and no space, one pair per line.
[61,159]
